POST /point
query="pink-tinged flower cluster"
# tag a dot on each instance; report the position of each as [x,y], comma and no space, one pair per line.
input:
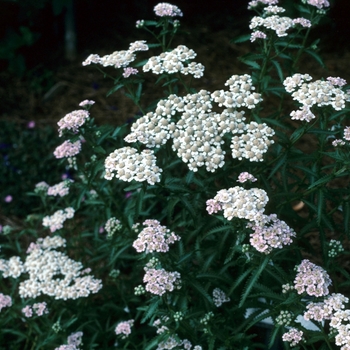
[257,35]
[86,103]
[244,177]
[347,133]
[238,202]
[73,121]
[255,3]
[124,328]
[312,279]
[55,221]
[302,21]
[74,341]
[320,4]
[159,281]
[219,297]
[154,238]
[61,189]
[337,81]
[293,336]
[325,310]
[67,149]
[5,301]
[164,9]
[270,233]
[38,308]
[129,71]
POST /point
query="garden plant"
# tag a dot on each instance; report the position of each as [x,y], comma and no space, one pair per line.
[204,218]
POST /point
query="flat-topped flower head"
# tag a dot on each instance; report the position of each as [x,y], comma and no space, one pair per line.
[55,221]
[255,3]
[293,336]
[159,281]
[73,121]
[175,61]
[164,9]
[124,328]
[320,4]
[240,203]
[127,164]
[318,93]
[312,279]
[270,233]
[44,264]
[154,238]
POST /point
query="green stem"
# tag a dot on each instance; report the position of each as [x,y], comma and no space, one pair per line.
[301,50]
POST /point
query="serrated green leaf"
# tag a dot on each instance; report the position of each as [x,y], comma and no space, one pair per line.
[151,310]
[252,280]
[323,180]
[239,280]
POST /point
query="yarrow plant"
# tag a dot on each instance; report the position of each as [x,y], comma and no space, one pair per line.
[204,216]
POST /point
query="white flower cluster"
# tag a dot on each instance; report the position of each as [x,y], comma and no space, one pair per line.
[47,243]
[61,189]
[241,93]
[240,203]
[118,59]
[55,221]
[175,61]
[12,267]
[164,9]
[44,263]
[127,164]
[276,23]
[270,233]
[254,3]
[198,133]
[253,143]
[320,93]
[154,238]
[73,121]
[219,297]
[325,310]
[340,323]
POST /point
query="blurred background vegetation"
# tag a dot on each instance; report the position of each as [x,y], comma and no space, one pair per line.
[42,45]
